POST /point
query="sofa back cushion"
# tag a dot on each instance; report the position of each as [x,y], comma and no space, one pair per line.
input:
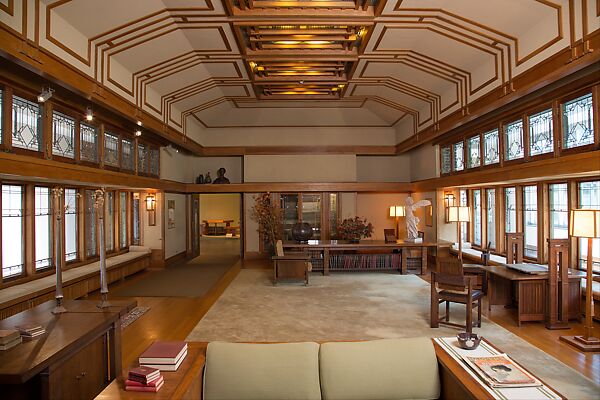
[379,369]
[245,371]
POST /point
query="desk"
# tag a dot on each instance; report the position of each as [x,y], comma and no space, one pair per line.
[528,291]
[325,247]
[215,226]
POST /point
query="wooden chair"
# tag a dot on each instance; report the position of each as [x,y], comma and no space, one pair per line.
[390,235]
[291,266]
[449,284]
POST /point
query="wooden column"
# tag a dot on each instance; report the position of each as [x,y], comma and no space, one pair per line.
[557,296]
[514,248]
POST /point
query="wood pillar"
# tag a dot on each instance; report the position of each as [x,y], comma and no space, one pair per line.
[558,284]
[514,248]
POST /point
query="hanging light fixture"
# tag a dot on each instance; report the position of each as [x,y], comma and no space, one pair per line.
[89,115]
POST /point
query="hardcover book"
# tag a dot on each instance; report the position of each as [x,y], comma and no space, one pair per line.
[144,388]
[144,374]
[8,335]
[156,382]
[169,367]
[163,353]
[12,344]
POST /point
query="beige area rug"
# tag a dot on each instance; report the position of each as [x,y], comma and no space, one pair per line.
[354,306]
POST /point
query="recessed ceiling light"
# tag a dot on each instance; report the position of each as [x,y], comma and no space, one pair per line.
[138,132]
[139,123]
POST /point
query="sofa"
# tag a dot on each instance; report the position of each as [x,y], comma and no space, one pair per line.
[379,369]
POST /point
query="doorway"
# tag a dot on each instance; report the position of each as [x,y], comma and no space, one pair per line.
[220,224]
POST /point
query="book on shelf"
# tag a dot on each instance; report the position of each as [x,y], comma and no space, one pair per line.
[156,382]
[133,388]
[169,367]
[500,371]
[163,353]
[8,335]
[30,330]
[144,375]
[11,344]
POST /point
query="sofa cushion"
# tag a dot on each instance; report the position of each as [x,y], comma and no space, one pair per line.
[379,369]
[244,371]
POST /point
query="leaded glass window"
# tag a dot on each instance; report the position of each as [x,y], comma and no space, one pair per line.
[13,255]
[578,122]
[473,152]
[27,124]
[513,140]
[142,158]
[510,209]
[1,113]
[43,228]
[135,220]
[109,222]
[463,199]
[122,220]
[477,217]
[459,156]
[70,224]
[540,133]
[446,160]
[491,218]
[88,142]
[589,197]
[90,224]
[127,154]
[491,145]
[530,208]
[559,211]
[154,161]
[111,149]
[63,135]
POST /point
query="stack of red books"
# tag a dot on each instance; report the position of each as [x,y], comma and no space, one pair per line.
[165,356]
[144,379]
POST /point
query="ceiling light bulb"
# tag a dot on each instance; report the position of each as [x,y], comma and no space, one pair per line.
[139,123]
[88,114]
[45,95]
[138,132]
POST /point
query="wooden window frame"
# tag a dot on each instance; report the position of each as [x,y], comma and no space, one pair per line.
[52,232]
[595,92]
[45,109]
[536,110]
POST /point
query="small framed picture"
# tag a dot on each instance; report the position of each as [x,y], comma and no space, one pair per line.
[171,214]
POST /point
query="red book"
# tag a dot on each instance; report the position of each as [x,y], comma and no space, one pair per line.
[144,388]
[143,374]
[157,382]
[163,353]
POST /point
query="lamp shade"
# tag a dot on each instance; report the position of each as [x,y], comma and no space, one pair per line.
[397,211]
[585,223]
[150,203]
[459,214]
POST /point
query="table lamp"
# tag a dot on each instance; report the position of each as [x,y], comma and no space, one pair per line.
[397,212]
[459,214]
[585,223]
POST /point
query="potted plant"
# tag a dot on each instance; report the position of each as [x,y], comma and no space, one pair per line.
[353,229]
[269,219]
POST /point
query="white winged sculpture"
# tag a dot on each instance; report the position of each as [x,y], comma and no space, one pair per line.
[411,220]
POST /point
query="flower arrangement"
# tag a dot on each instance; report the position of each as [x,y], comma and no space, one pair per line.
[269,218]
[354,229]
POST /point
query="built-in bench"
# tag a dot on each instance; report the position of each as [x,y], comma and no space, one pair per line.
[77,282]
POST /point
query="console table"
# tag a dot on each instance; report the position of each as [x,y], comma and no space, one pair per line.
[79,354]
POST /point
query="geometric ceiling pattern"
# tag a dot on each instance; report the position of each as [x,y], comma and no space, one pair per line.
[401,64]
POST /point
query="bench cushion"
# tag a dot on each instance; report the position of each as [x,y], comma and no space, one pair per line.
[244,371]
[379,369]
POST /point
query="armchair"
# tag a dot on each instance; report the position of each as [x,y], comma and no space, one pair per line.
[291,266]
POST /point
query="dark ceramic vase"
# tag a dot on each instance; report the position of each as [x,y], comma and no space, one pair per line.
[302,231]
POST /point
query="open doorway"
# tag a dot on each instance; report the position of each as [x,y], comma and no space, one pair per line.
[220,224]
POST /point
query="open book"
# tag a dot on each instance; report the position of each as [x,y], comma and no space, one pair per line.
[501,371]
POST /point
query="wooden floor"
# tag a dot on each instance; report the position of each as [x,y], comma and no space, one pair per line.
[171,318]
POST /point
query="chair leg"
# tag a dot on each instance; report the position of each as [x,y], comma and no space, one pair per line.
[447,311]
[479,313]
[434,312]
[469,316]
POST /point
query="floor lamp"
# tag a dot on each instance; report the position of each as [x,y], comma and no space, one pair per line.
[459,214]
[397,212]
[586,224]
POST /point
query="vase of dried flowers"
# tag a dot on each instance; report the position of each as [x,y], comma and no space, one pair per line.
[353,229]
[269,219]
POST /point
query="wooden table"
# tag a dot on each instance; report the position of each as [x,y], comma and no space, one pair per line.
[326,247]
[185,383]
[508,287]
[79,354]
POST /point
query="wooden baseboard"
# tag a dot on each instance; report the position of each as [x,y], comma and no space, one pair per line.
[176,258]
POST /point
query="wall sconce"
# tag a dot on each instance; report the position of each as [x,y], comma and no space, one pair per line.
[151,208]
[449,201]
[397,212]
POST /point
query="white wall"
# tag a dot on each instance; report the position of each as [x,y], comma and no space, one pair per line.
[300,168]
[424,162]
[251,239]
[375,208]
[233,165]
[383,168]
[151,235]
[175,238]
[220,206]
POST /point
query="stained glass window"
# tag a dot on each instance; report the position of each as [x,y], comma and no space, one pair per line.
[491,217]
[135,218]
[27,124]
[510,209]
[142,158]
[109,222]
[578,122]
[491,152]
[63,135]
[154,161]
[513,140]
[127,154]
[464,231]
[13,257]
[70,224]
[88,142]
[446,160]
[540,133]
[589,197]
[43,228]
[477,217]
[559,211]
[473,152]
[111,149]
[90,224]
[530,208]
[122,220]
[459,156]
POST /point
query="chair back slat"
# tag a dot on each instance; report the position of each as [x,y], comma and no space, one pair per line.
[450,275]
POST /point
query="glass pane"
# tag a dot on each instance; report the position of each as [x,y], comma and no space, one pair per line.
[111,150]
[491,218]
[589,197]
[70,224]
[90,224]
[1,114]
[540,133]
[109,222]
[123,220]
[513,140]
[459,156]
[446,160]
[311,212]
[464,229]
[88,143]
[510,211]
[559,211]
[473,152]
[289,206]
[12,231]
[530,207]
[578,122]
[154,161]
[127,154]
[477,217]
[43,228]
[142,158]
[135,216]
[27,123]
[63,135]
[333,215]
[491,154]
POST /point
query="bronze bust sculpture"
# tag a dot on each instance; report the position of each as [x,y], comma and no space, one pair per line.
[221,176]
